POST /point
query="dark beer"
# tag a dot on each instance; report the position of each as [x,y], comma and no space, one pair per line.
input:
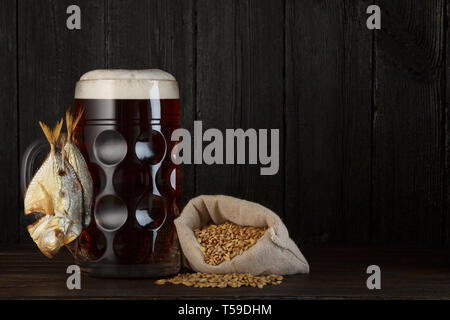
[125,136]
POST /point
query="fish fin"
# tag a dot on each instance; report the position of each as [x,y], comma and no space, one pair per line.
[69,122]
[80,113]
[63,155]
[57,130]
[47,132]
[52,135]
[40,200]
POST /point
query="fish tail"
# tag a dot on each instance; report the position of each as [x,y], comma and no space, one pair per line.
[69,122]
[57,130]
[80,113]
[52,135]
[47,132]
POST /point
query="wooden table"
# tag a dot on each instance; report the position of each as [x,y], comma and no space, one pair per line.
[336,272]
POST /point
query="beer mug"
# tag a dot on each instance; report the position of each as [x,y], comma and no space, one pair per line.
[125,137]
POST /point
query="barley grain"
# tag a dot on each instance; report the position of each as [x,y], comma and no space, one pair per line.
[223,242]
[234,280]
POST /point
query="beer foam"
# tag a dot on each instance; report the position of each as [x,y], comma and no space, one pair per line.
[127,84]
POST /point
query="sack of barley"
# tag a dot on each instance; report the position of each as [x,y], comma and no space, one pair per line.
[221,234]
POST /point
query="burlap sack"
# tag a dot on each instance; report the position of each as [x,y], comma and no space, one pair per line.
[274,253]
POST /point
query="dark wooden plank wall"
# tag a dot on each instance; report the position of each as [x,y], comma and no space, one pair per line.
[328,120]
[408,124]
[9,189]
[240,85]
[362,114]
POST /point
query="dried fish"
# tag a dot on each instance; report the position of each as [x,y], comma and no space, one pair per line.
[56,192]
[78,163]
[37,197]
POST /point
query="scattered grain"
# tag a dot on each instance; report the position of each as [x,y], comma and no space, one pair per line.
[234,280]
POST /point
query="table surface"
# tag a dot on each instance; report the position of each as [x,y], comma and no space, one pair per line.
[337,272]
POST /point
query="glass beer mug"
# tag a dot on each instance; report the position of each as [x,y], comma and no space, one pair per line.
[125,138]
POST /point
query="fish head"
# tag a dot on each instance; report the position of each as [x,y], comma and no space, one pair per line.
[48,234]
[51,241]
[56,193]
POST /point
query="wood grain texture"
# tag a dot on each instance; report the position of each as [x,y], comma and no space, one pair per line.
[446,139]
[51,60]
[364,151]
[408,123]
[328,117]
[157,34]
[337,272]
[9,195]
[240,85]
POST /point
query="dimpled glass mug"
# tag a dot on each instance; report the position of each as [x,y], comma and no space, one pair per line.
[125,137]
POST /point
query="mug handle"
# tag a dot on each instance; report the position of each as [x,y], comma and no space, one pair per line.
[28,162]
